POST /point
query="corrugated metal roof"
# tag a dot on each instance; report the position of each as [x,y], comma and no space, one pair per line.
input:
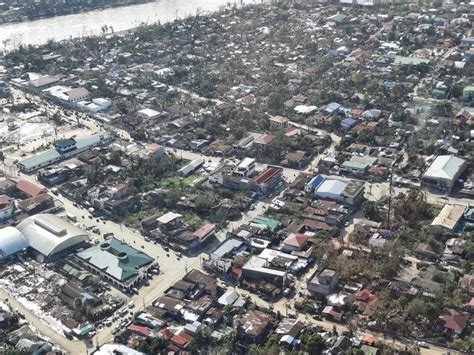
[444,167]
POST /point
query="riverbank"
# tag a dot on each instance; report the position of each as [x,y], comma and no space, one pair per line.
[91,22]
[32,12]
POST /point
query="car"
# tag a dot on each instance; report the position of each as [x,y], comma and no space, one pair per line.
[179,255]
[166,249]
[422,344]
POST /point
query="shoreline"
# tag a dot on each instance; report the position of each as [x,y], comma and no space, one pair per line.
[79,11]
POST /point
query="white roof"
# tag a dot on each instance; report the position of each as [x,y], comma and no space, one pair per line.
[246,163]
[449,216]
[112,349]
[228,298]
[148,112]
[168,217]
[49,234]
[444,167]
[334,187]
[305,109]
[11,242]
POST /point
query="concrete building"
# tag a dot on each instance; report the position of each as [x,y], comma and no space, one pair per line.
[51,236]
[268,180]
[119,263]
[246,168]
[63,149]
[443,173]
[323,283]
[350,193]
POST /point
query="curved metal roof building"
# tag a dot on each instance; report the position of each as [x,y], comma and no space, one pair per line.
[11,242]
[49,234]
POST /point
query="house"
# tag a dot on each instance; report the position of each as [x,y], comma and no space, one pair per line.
[453,321]
[443,173]
[170,221]
[467,282]
[28,189]
[425,251]
[6,208]
[117,191]
[448,219]
[289,329]
[323,283]
[278,122]
[331,312]
[148,114]
[264,140]
[244,144]
[36,204]
[295,242]
[253,326]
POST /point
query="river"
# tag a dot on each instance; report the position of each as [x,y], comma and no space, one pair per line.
[88,23]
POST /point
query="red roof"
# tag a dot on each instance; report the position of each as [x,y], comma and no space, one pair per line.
[204,230]
[296,239]
[140,329]
[182,339]
[264,139]
[29,188]
[265,175]
[317,225]
[5,200]
[454,320]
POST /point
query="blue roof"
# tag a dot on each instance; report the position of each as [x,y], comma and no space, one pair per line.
[348,122]
[316,181]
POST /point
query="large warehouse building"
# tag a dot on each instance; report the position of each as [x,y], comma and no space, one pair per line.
[444,172]
[51,236]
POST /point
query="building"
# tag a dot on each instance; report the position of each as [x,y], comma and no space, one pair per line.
[448,219]
[267,180]
[119,263]
[4,89]
[191,167]
[295,242]
[12,241]
[148,114]
[6,208]
[468,93]
[63,149]
[68,95]
[258,268]
[350,193]
[246,168]
[51,236]
[443,173]
[253,326]
[323,283]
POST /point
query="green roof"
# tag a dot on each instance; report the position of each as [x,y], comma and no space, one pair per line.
[369,350]
[116,259]
[268,222]
[355,165]
[51,155]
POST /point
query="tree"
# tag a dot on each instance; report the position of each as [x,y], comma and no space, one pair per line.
[372,211]
[416,308]
[275,101]
[313,343]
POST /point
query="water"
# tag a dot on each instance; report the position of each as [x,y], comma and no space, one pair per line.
[87,23]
